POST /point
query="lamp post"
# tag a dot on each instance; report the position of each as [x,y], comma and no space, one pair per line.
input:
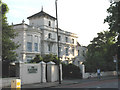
[115,60]
[58,41]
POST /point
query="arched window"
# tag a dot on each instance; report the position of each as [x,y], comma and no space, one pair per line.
[49,35]
[49,23]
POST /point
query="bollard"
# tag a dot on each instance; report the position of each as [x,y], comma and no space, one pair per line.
[16,84]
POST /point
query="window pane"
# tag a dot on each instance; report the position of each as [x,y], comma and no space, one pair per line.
[66,39]
[36,46]
[59,37]
[29,46]
[49,23]
[49,35]
[78,53]
[29,58]
[66,51]
[49,49]
[73,41]
[59,51]
[73,51]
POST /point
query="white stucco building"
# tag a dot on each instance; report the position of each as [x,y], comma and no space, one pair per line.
[40,37]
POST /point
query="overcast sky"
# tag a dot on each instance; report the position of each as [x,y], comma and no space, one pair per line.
[83,17]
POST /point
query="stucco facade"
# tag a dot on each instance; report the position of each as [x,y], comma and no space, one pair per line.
[41,35]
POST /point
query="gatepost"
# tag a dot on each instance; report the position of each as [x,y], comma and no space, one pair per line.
[50,71]
[43,71]
[61,71]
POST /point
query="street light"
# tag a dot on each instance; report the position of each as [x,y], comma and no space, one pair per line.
[58,40]
[115,60]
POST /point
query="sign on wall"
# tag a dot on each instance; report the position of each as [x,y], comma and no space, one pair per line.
[32,69]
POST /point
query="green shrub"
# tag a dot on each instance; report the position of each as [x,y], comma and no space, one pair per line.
[51,57]
[47,58]
[71,71]
[37,59]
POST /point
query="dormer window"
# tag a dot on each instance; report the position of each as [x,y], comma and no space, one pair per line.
[49,24]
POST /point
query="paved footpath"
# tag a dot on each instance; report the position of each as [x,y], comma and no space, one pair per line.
[64,82]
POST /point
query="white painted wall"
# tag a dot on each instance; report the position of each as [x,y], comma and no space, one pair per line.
[42,23]
[36,22]
[28,78]
[108,73]
[40,76]
[22,39]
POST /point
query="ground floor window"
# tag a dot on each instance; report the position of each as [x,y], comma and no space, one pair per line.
[29,58]
[29,46]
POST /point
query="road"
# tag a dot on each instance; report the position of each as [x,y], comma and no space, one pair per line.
[112,83]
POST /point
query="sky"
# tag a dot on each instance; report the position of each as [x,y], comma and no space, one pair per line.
[83,17]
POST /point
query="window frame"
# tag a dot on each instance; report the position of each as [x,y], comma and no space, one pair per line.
[59,38]
[49,23]
[29,46]
[66,51]
[59,51]
[29,58]
[73,51]
[49,35]
[73,41]
[36,48]
[49,48]
[66,39]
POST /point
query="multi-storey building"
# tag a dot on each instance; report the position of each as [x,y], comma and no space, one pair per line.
[40,37]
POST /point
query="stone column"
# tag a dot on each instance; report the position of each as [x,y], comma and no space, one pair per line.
[43,71]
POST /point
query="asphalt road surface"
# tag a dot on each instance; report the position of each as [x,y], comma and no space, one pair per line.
[112,83]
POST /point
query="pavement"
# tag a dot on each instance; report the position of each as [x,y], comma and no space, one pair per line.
[64,82]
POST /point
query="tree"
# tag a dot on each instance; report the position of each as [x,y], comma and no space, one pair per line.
[100,52]
[107,44]
[113,20]
[8,34]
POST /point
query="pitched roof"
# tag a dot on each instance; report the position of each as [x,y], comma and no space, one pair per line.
[41,13]
[78,44]
[20,24]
